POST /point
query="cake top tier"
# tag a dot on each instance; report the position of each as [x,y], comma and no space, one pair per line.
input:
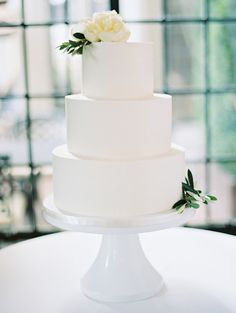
[112,68]
[121,70]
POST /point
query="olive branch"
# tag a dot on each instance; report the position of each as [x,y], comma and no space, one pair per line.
[191,196]
[74,46]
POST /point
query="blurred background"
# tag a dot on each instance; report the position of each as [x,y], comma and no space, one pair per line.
[195,61]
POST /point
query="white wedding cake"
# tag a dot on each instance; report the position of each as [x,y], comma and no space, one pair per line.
[118,161]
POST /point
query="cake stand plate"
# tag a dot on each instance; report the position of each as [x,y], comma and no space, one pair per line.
[121,271]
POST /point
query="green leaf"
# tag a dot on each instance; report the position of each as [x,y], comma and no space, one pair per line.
[179,203]
[69,48]
[180,206]
[194,205]
[190,178]
[73,47]
[191,195]
[73,43]
[181,209]
[213,198]
[63,46]
[80,51]
[66,43]
[189,188]
[79,35]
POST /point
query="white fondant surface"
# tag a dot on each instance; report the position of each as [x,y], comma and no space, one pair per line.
[118,129]
[117,70]
[117,188]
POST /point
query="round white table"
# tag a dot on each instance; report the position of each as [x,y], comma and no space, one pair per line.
[43,275]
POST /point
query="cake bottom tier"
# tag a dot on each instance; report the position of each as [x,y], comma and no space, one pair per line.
[117,189]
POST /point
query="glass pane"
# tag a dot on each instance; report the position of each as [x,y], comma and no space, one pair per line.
[11,11]
[222,8]
[44,59]
[183,8]
[48,128]
[140,9]
[37,11]
[223,125]
[13,141]
[78,9]
[223,185]
[59,60]
[45,11]
[152,33]
[185,60]
[11,61]
[6,189]
[188,125]
[17,206]
[222,55]
[58,10]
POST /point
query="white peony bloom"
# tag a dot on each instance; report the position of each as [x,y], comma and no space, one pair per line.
[79,28]
[112,27]
[115,36]
[92,31]
[104,26]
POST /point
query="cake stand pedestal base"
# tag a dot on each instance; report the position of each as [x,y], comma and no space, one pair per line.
[121,271]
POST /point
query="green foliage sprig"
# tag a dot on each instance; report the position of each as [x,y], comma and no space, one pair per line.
[75,46]
[191,196]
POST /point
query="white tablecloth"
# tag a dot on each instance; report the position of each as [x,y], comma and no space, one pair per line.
[42,275]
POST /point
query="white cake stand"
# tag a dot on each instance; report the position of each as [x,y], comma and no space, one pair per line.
[120,272]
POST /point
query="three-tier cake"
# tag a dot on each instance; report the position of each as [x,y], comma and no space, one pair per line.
[119,161]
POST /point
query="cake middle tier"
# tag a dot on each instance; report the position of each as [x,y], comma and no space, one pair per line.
[118,129]
[117,189]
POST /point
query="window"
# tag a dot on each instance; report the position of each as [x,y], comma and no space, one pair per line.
[195,55]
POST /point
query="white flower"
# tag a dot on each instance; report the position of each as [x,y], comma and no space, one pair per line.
[78,28]
[120,35]
[103,26]
[91,31]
